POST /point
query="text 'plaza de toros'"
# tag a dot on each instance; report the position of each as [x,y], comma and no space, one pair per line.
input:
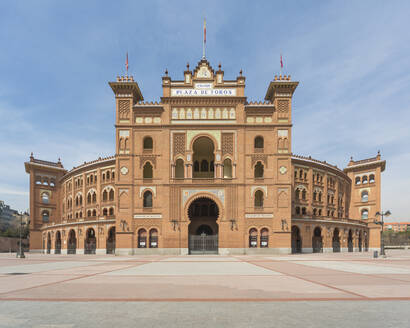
[204,171]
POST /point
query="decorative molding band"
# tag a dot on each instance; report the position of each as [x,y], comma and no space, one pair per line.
[220,193]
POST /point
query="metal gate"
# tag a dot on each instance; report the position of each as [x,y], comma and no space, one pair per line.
[203,244]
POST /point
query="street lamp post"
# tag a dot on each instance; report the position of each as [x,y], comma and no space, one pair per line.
[20,252]
[382,214]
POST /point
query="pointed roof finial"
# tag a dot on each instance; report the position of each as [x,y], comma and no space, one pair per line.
[240,72]
[166,72]
[187,66]
[219,66]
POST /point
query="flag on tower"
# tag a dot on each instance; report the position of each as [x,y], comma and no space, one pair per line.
[204,30]
[126,62]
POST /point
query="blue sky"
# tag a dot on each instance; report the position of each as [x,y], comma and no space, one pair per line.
[351,58]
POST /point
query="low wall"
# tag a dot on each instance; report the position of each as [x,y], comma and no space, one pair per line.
[11,244]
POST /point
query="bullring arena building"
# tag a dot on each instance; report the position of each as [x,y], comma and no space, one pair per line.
[204,171]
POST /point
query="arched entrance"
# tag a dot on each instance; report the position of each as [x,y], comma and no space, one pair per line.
[350,241]
[203,228]
[90,243]
[111,241]
[360,242]
[336,241]
[57,246]
[203,158]
[72,243]
[48,243]
[317,243]
[296,240]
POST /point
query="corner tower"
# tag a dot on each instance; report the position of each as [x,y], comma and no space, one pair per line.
[366,193]
[127,94]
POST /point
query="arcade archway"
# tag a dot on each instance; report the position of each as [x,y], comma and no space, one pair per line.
[296,240]
[203,228]
[203,158]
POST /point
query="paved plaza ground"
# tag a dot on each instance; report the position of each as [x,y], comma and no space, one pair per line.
[309,290]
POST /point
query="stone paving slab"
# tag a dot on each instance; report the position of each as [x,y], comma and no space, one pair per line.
[179,288]
[362,268]
[39,267]
[191,258]
[336,314]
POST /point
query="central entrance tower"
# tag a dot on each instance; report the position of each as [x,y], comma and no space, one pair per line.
[203,227]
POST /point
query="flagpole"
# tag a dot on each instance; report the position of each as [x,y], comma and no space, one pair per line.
[204,40]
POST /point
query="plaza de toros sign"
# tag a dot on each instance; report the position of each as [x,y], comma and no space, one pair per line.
[203,92]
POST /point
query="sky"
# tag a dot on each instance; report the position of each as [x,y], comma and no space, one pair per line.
[352,59]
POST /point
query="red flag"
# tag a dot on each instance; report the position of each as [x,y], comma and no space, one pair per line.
[126,62]
[281,61]
[204,30]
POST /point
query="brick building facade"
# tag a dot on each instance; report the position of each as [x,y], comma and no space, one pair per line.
[204,171]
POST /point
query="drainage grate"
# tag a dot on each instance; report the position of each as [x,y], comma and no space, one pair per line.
[17,273]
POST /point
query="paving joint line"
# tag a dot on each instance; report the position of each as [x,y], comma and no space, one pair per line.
[314,282]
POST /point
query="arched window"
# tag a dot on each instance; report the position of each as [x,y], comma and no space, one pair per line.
[365,196]
[142,238]
[148,143]
[105,195]
[204,165]
[45,198]
[153,238]
[300,174]
[105,212]
[258,171]
[196,166]
[258,143]
[89,213]
[304,194]
[297,194]
[365,214]
[314,195]
[108,175]
[179,169]
[253,238]
[111,212]
[314,211]
[89,198]
[357,180]
[320,212]
[364,179]
[258,198]
[227,169]
[297,210]
[147,202]
[94,213]
[264,237]
[111,195]
[303,210]
[371,178]
[147,171]
[94,197]
[46,216]
[320,196]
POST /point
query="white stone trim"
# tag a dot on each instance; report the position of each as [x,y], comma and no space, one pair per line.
[147,216]
[259,215]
